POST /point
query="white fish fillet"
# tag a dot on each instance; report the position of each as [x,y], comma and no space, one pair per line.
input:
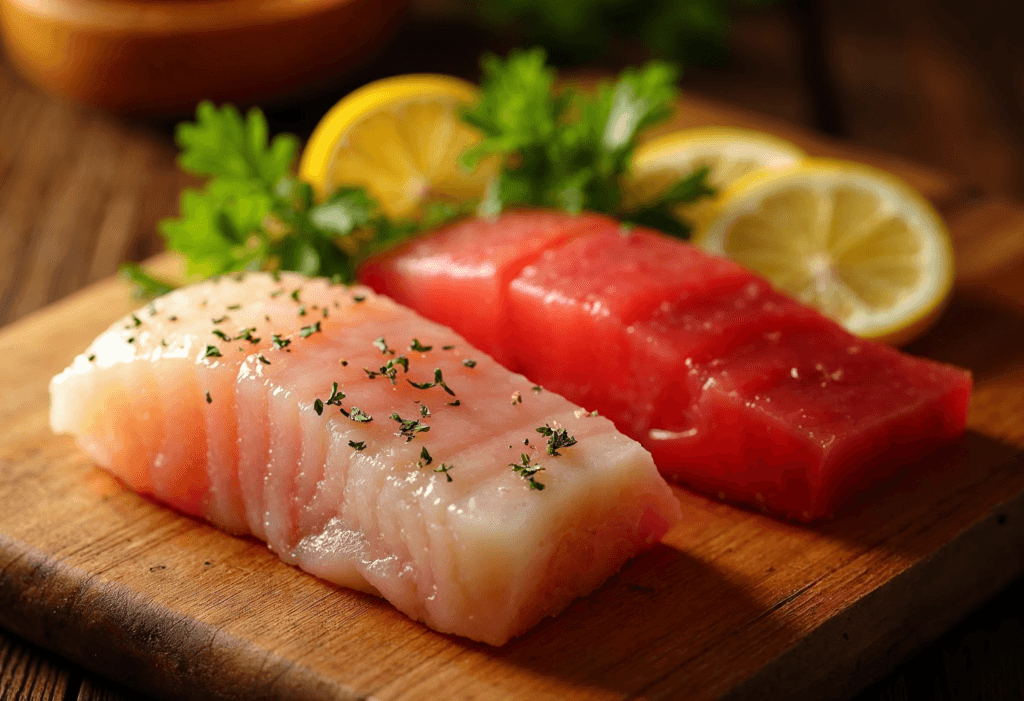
[437,521]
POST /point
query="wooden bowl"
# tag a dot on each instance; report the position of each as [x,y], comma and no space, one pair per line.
[163,56]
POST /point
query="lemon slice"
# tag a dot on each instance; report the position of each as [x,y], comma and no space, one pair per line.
[856,243]
[400,138]
[729,152]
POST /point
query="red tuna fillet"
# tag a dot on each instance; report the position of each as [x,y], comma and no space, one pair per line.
[735,389]
[236,401]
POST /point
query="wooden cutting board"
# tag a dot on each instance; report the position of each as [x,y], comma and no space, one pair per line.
[733,604]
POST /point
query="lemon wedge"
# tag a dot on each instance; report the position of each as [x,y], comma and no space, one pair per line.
[400,138]
[855,242]
[729,152]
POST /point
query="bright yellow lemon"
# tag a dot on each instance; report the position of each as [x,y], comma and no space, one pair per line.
[400,138]
[854,242]
[729,152]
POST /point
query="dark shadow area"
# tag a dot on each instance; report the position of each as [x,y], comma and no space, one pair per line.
[980,658]
[926,502]
[654,630]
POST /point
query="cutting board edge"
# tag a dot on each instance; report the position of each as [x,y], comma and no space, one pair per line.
[99,619]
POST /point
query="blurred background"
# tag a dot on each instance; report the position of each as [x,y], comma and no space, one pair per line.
[87,163]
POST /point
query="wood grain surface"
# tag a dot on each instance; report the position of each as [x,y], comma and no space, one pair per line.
[732,604]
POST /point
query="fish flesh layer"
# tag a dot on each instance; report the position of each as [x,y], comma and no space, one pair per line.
[368,446]
[736,389]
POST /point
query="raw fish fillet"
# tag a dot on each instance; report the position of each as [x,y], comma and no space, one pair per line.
[735,389]
[219,399]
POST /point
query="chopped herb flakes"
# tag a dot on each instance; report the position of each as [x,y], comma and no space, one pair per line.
[247,334]
[358,298]
[221,335]
[357,445]
[209,399]
[389,369]
[234,307]
[557,438]
[425,456]
[295,294]
[172,317]
[438,382]
[418,347]
[307,331]
[131,339]
[527,470]
[408,428]
[302,310]
[382,345]
[276,293]
[517,398]
[318,406]
[280,343]
[444,469]
[262,359]
[336,395]
[220,319]
[537,389]
[457,402]
[92,358]
[136,320]
[212,352]
[469,363]
[359,415]
[424,411]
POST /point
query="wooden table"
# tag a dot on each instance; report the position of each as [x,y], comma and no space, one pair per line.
[81,191]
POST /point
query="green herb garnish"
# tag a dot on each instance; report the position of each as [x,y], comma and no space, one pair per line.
[307,331]
[444,469]
[527,470]
[569,151]
[557,438]
[212,352]
[408,428]
[358,414]
[246,334]
[438,382]
[469,363]
[357,445]
[418,347]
